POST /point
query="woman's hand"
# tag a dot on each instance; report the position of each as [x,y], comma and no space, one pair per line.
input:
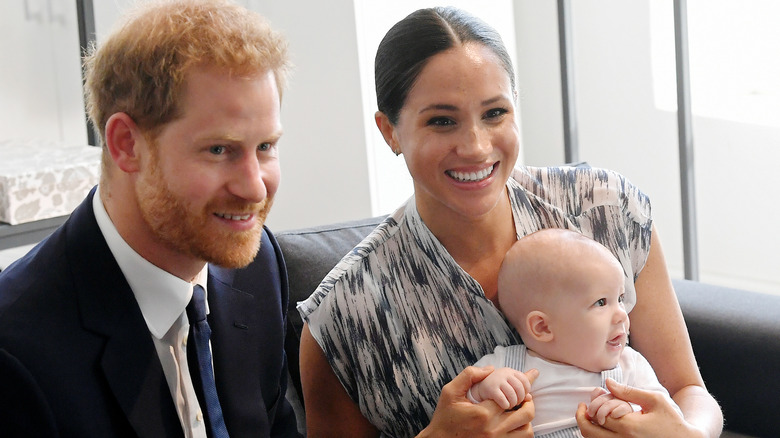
[456,416]
[657,417]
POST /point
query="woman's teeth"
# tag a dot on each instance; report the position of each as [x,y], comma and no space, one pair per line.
[471,176]
[234,217]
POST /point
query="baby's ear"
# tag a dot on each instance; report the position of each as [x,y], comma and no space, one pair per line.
[537,325]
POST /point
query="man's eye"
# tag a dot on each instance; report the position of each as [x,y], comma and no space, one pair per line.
[600,303]
[264,146]
[217,150]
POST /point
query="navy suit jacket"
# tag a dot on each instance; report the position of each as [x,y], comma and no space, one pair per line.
[77,360]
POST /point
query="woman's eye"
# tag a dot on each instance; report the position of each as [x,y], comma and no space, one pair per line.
[495,112]
[601,303]
[264,146]
[440,121]
[217,150]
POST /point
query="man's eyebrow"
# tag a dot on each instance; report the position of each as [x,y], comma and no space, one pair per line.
[230,138]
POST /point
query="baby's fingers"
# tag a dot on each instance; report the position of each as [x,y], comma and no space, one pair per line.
[622,409]
[597,399]
[611,408]
[510,398]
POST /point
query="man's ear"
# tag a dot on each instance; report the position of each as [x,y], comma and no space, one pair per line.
[123,139]
[388,131]
[538,326]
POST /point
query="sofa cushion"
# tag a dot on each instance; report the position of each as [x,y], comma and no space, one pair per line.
[736,340]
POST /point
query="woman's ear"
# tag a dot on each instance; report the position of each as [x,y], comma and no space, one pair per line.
[538,326]
[122,141]
[388,131]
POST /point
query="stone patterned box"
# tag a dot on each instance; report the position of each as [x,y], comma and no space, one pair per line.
[39,180]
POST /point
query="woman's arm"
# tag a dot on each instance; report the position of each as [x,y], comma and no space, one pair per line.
[331,413]
[329,410]
[658,331]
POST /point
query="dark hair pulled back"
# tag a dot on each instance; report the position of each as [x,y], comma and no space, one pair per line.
[410,43]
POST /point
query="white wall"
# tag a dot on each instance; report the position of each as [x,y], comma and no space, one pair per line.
[323,154]
[40,78]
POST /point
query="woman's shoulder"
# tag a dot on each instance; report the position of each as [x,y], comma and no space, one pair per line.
[357,263]
[581,188]
[581,176]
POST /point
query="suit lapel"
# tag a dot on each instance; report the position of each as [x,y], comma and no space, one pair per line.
[108,307]
[247,323]
[229,306]
[234,342]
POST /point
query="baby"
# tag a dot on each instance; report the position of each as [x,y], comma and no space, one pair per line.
[563,293]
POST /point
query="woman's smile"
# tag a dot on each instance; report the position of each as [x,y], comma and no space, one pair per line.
[473,176]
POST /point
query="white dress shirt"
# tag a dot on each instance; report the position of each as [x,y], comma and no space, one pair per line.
[162,298]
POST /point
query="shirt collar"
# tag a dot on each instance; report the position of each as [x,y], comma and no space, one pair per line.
[161,295]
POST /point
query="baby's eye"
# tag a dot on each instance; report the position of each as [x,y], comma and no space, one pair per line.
[217,150]
[440,121]
[621,298]
[601,303]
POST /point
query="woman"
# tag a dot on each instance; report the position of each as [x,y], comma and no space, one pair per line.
[413,305]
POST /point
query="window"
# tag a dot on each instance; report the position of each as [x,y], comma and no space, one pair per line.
[624,72]
[735,101]
[734,62]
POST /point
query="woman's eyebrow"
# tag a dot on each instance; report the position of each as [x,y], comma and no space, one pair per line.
[439,106]
[493,100]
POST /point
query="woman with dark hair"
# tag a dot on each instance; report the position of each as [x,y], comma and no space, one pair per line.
[392,331]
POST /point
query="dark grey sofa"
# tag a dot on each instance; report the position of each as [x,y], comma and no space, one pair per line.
[735,333]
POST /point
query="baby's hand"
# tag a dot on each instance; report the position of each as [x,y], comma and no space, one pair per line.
[505,386]
[603,404]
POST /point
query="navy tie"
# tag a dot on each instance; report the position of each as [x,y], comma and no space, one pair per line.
[199,359]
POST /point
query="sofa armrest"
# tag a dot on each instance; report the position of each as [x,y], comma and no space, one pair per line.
[736,340]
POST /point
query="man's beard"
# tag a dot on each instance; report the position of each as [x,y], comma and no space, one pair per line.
[176,225]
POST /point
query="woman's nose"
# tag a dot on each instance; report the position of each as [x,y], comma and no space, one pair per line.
[475,143]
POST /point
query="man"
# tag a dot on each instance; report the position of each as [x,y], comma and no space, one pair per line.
[93,328]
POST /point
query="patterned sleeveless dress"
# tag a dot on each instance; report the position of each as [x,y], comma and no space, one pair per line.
[398,319]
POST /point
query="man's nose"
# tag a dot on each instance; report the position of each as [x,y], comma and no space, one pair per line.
[247,181]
